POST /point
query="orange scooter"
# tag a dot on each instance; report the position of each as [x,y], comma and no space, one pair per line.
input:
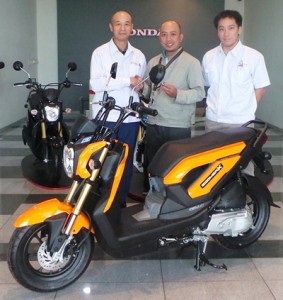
[197,190]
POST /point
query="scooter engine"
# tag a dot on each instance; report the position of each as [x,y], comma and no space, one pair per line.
[230,223]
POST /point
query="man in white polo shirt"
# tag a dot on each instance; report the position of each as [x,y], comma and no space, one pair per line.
[235,74]
[130,71]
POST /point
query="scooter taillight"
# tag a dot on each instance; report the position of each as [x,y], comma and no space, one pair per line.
[264,138]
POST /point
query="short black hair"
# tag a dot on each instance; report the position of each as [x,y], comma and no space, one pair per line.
[232,14]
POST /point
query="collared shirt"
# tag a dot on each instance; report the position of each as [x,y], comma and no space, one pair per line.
[130,64]
[232,79]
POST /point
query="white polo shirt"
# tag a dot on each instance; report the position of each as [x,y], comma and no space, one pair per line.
[232,80]
[130,64]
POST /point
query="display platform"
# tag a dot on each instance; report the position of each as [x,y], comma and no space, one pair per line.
[44,174]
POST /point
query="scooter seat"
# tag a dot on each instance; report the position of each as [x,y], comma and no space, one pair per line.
[173,152]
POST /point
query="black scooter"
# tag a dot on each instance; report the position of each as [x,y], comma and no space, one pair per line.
[45,131]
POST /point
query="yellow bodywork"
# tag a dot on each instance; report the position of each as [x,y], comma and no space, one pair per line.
[222,158]
[85,156]
[117,179]
[40,212]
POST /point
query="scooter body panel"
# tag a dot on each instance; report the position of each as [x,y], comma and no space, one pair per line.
[181,169]
[129,236]
[207,181]
[39,213]
[82,169]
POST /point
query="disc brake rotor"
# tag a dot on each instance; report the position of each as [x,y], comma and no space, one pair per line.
[46,261]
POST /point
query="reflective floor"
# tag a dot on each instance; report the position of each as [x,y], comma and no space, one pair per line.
[253,273]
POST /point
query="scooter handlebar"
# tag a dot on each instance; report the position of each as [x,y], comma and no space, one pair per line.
[76,84]
[28,85]
[68,84]
[143,110]
[20,84]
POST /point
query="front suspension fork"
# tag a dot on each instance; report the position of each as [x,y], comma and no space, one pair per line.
[84,193]
[45,152]
[60,233]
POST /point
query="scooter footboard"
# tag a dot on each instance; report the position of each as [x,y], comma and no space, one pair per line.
[39,213]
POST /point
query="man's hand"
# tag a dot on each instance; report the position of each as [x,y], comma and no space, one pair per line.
[134,81]
[169,89]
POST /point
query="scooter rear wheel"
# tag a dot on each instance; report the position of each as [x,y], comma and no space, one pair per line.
[255,198]
[32,265]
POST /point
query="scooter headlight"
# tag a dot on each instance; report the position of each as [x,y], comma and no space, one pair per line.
[52,113]
[68,160]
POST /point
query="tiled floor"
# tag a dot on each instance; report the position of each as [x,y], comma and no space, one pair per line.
[253,273]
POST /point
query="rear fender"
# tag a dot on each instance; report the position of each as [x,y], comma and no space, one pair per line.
[251,180]
[41,212]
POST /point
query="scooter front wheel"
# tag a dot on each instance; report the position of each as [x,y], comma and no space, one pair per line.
[55,165]
[257,202]
[32,265]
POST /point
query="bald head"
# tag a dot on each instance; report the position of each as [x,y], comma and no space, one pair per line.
[121,26]
[121,14]
[171,23]
[170,36]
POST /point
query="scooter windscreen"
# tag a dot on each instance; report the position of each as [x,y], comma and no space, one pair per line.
[82,128]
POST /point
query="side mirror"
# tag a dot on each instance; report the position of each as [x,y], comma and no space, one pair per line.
[113,71]
[157,73]
[2,65]
[18,65]
[72,66]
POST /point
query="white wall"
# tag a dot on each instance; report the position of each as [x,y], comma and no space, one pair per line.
[29,34]
[264,32]
[238,5]
[47,45]
[18,42]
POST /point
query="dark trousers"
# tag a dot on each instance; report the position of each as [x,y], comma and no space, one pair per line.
[155,137]
[127,133]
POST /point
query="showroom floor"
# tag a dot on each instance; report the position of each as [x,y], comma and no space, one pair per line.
[253,273]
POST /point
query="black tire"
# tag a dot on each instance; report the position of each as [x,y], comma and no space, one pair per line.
[27,248]
[57,159]
[258,200]
[55,165]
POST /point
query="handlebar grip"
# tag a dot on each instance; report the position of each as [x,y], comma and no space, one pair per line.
[20,84]
[68,84]
[77,84]
[143,110]
[148,111]
[28,85]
